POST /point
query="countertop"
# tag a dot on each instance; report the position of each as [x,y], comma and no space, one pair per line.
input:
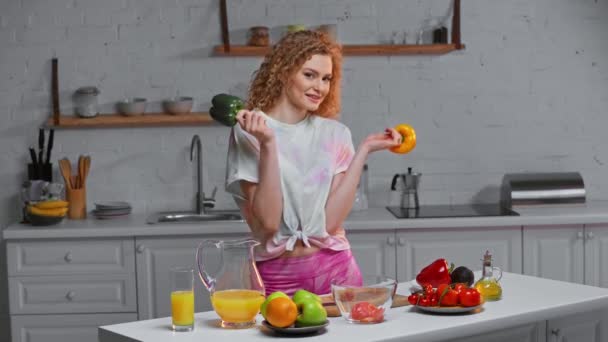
[525,300]
[371,219]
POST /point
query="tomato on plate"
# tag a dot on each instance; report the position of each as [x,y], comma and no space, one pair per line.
[458,287]
[447,296]
[469,297]
[413,298]
[367,312]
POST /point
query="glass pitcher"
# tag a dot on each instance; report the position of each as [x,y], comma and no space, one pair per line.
[236,289]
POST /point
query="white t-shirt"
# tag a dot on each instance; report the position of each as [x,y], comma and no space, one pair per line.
[310,152]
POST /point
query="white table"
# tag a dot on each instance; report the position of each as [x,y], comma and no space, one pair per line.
[525,300]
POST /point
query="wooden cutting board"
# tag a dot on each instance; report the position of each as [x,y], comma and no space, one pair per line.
[333,311]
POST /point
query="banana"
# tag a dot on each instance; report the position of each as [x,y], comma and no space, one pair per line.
[55,212]
[51,204]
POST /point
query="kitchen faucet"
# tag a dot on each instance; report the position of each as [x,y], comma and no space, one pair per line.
[202,202]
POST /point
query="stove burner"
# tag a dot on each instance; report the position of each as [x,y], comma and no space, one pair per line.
[460,210]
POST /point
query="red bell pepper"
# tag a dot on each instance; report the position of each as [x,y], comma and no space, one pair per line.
[435,274]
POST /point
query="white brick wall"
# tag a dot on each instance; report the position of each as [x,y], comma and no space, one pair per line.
[528,94]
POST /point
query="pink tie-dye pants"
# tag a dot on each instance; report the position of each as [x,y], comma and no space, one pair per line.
[312,272]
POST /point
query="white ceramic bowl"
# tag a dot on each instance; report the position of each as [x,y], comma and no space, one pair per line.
[131,107]
[179,105]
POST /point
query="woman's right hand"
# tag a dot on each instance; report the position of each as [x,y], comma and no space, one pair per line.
[254,123]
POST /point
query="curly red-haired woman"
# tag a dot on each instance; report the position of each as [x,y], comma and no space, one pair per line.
[293,168]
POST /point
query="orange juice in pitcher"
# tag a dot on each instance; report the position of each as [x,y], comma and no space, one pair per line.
[237,306]
[236,289]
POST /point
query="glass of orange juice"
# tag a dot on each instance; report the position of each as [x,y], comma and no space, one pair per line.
[182,298]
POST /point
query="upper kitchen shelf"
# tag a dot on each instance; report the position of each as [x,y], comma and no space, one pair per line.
[350,50]
[59,121]
[226,49]
[117,120]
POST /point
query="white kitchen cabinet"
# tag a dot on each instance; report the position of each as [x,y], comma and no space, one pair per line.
[555,252]
[63,328]
[535,332]
[582,327]
[464,247]
[574,253]
[375,253]
[63,289]
[155,256]
[596,255]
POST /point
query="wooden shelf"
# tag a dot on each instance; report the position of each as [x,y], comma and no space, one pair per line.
[350,50]
[117,120]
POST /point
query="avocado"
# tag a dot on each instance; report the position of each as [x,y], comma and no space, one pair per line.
[463,275]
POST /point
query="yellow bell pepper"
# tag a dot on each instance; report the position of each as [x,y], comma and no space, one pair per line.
[408,141]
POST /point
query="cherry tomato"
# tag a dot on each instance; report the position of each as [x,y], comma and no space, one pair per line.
[458,287]
[424,302]
[470,297]
[442,288]
[450,298]
[428,289]
[434,299]
[413,298]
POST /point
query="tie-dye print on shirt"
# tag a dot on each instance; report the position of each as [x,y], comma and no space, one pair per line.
[311,152]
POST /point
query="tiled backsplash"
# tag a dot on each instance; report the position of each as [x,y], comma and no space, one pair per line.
[527,94]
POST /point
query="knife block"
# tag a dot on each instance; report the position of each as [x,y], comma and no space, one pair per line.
[40,172]
[77,207]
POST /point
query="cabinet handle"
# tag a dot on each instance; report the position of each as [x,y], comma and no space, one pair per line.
[390,241]
[590,235]
[580,235]
[68,257]
[401,241]
[70,295]
[141,248]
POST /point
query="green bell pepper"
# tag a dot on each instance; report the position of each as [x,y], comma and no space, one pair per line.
[224,109]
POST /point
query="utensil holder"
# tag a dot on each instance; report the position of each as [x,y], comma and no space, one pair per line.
[77,208]
[40,171]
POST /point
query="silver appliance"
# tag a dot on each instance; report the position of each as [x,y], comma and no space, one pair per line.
[407,184]
[520,189]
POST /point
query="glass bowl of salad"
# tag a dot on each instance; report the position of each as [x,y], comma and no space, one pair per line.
[367,304]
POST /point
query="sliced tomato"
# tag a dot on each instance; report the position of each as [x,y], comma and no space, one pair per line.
[362,310]
[367,312]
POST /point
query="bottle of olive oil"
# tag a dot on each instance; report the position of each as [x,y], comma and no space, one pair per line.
[488,285]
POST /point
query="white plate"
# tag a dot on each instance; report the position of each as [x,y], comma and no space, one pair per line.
[112,205]
[448,309]
[296,331]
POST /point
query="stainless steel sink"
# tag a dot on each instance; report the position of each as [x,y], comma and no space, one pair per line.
[192,217]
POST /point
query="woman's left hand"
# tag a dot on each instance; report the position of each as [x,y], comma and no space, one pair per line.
[382,141]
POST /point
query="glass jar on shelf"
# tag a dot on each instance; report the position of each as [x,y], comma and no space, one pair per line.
[86,101]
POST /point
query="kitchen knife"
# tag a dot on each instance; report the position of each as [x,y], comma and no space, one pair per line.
[40,145]
[33,157]
[34,163]
[49,146]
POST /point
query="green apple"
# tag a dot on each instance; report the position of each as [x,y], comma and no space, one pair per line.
[270,297]
[311,313]
[303,295]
